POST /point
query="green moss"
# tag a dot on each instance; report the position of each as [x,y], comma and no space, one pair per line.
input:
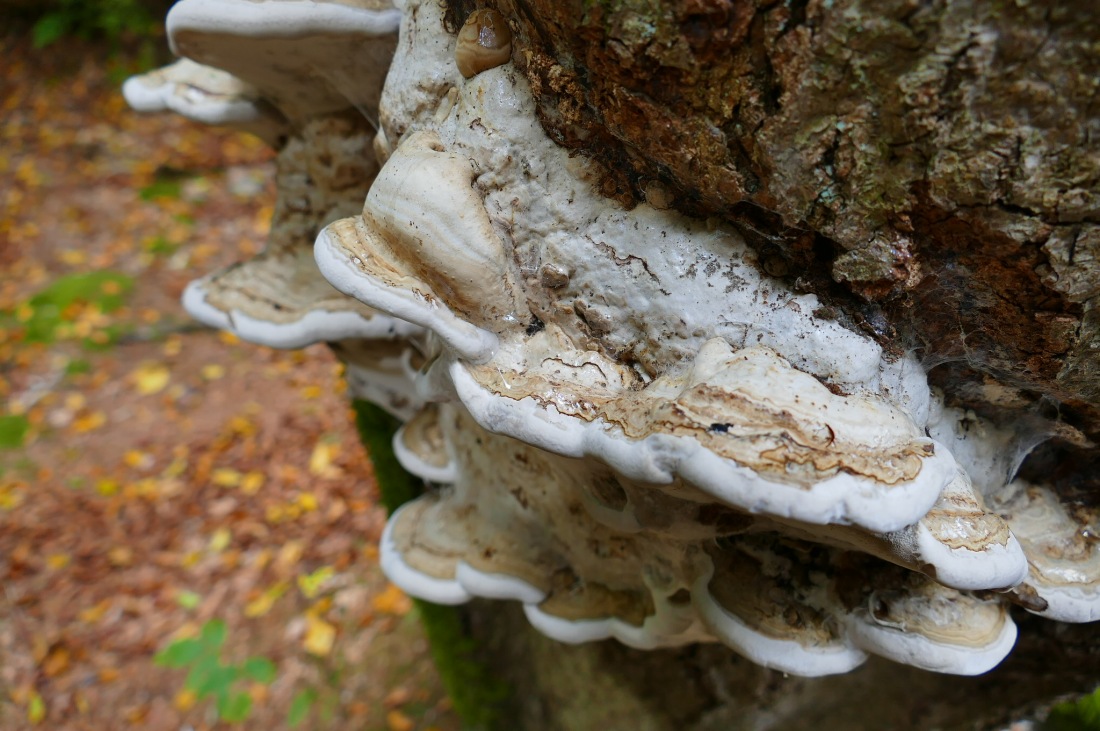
[477,695]
[376,430]
[1080,715]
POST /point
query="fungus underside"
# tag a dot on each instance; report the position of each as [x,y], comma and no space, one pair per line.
[478,696]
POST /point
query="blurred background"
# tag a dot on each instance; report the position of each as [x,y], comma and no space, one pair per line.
[188,523]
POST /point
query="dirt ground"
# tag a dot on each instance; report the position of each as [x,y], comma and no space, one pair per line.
[155,475]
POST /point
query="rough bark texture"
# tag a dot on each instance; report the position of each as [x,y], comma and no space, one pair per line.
[928,168]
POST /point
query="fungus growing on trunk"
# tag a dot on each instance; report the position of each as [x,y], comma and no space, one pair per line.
[633,428]
[207,95]
[277,51]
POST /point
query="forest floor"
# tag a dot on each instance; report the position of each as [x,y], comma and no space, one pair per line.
[158,479]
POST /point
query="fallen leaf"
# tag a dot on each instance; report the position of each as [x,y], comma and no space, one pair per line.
[219,540]
[320,461]
[188,599]
[289,555]
[56,663]
[307,501]
[226,477]
[320,636]
[150,378]
[242,425]
[121,556]
[184,700]
[73,257]
[94,614]
[212,371]
[57,560]
[106,488]
[310,584]
[399,696]
[36,708]
[398,721]
[392,601]
[136,459]
[252,482]
[262,604]
[89,422]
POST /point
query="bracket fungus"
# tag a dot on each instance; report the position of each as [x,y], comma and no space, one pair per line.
[207,95]
[627,424]
[277,62]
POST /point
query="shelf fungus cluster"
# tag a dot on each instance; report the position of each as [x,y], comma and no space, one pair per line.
[623,422]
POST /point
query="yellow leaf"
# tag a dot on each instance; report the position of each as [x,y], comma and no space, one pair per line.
[320,462]
[184,700]
[11,497]
[320,636]
[73,257]
[213,371]
[150,378]
[228,338]
[310,584]
[225,477]
[241,425]
[311,392]
[57,560]
[106,488]
[75,401]
[142,488]
[307,501]
[90,422]
[36,708]
[219,540]
[175,468]
[252,482]
[173,345]
[137,459]
[392,601]
[262,604]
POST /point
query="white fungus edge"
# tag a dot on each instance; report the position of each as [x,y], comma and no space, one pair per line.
[659,458]
[336,266]
[315,326]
